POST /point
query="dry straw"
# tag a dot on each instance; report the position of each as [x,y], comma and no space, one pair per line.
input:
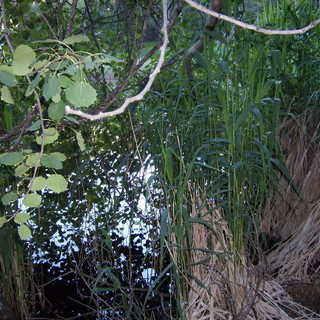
[294,214]
[224,284]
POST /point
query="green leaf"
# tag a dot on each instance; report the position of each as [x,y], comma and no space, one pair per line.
[157,280]
[51,87]
[80,141]
[76,38]
[6,68]
[50,135]
[78,75]
[56,111]
[20,170]
[2,221]
[72,119]
[24,232]
[6,95]
[39,64]
[56,98]
[33,84]
[8,117]
[51,161]
[59,156]
[72,69]
[65,81]
[8,78]
[9,198]
[32,200]
[12,158]
[33,158]
[89,63]
[47,41]
[168,164]
[201,60]
[57,183]
[38,183]
[81,94]
[35,126]
[59,65]
[22,58]
[21,217]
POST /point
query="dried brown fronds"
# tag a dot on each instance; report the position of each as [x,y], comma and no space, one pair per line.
[224,284]
[288,209]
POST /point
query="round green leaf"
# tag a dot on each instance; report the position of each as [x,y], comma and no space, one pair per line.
[65,81]
[38,183]
[32,200]
[20,170]
[59,156]
[56,110]
[57,183]
[32,159]
[22,58]
[9,197]
[21,217]
[12,158]
[51,161]
[8,78]
[50,135]
[81,94]
[24,232]
[51,87]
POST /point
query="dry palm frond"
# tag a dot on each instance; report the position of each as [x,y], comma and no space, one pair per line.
[225,285]
[293,216]
[287,210]
[293,258]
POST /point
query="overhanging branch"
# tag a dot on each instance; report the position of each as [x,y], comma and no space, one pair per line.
[244,25]
[147,87]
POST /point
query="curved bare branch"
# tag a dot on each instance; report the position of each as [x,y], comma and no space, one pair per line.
[248,26]
[147,87]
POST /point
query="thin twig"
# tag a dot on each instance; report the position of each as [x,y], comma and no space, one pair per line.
[244,25]
[16,130]
[5,25]
[48,24]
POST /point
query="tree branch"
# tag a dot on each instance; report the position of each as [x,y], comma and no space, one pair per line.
[5,26]
[147,87]
[216,6]
[111,98]
[244,25]
[71,18]
[48,24]
[19,129]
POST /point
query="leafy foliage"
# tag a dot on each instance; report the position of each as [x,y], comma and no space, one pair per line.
[112,200]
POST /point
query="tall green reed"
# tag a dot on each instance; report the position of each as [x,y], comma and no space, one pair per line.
[214,136]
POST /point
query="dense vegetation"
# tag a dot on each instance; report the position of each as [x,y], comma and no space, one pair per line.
[169,209]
